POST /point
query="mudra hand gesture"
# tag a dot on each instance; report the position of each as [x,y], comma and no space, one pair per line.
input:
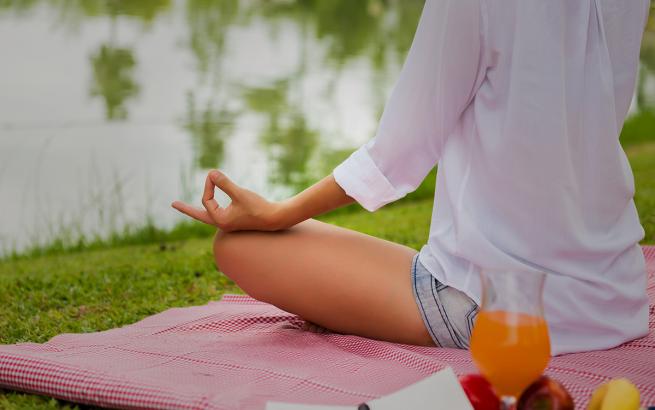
[247,211]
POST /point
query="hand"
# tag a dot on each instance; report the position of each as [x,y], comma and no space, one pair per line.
[247,211]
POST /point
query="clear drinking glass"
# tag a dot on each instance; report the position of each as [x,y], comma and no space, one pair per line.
[510,343]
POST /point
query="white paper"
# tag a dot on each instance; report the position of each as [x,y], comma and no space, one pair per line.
[274,405]
[440,391]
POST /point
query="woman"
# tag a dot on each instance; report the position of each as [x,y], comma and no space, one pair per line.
[521,103]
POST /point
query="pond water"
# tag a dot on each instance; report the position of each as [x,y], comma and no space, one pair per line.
[111,109]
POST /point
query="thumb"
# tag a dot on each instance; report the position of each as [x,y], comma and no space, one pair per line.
[224,183]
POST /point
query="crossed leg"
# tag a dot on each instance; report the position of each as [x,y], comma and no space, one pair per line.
[337,278]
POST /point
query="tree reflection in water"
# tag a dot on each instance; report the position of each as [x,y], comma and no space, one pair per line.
[287,137]
[209,129]
[113,66]
[209,22]
[113,79]
[335,36]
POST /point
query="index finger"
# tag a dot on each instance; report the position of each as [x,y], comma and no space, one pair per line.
[195,213]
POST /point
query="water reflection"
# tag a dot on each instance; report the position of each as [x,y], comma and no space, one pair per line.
[113,79]
[18,6]
[287,136]
[276,92]
[209,22]
[351,29]
[374,29]
[291,148]
[75,11]
[209,128]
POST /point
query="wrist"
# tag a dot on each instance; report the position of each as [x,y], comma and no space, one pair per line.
[283,214]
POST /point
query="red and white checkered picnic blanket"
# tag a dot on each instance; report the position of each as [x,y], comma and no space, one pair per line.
[239,353]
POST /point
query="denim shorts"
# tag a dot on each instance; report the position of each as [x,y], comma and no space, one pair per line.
[448,313]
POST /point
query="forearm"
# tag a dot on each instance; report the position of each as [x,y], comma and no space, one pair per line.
[323,196]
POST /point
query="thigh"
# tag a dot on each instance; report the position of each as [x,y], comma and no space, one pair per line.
[344,280]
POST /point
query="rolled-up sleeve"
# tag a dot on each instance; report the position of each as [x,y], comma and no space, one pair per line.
[436,84]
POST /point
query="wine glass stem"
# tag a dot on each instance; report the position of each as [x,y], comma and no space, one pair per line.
[508,403]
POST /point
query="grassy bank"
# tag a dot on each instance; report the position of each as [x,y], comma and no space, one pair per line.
[102,289]
[106,284]
[641,153]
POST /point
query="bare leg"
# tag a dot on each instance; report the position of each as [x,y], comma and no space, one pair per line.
[337,278]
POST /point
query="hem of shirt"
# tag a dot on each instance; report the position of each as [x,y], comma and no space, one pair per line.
[435,267]
[363,181]
[559,345]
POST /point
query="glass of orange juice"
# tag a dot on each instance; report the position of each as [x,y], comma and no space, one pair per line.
[510,343]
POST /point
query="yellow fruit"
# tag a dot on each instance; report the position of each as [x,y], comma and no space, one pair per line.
[617,394]
[597,398]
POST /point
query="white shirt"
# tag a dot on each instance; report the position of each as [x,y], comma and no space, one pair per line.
[521,103]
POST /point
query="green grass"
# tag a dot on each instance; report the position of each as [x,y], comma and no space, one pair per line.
[642,160]
[106,284]
[102,289]
[186,229]
[638,129]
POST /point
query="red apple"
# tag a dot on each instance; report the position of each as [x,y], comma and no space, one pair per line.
[545,394]
[479,391]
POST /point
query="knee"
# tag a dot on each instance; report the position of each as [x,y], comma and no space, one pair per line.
[223,250]
[231,256]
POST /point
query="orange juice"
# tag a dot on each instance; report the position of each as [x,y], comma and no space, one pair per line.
[510,349]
